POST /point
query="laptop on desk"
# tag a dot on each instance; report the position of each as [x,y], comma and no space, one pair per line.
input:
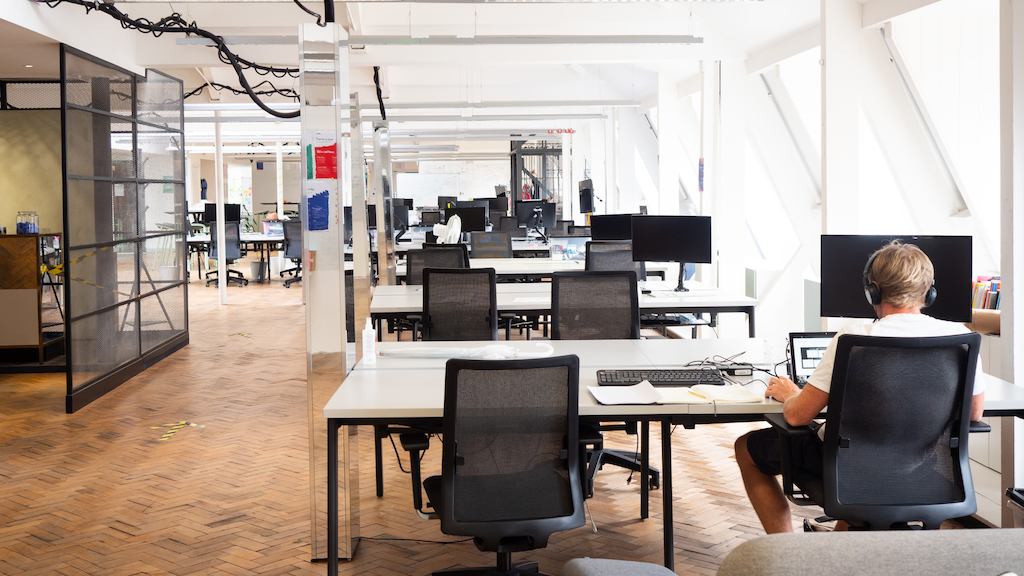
[805,352]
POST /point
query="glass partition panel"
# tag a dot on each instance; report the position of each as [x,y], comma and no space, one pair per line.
[124,191]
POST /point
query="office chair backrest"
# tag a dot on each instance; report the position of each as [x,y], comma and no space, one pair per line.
[509,460]
[594,306]
[459,304]
[350,305]
[232,241]
[895,446]
[491,244]
[511,225]
[613,255]
[418,260]
[460,247]
[293,240]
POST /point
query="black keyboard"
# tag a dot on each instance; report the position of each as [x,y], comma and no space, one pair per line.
[673,377]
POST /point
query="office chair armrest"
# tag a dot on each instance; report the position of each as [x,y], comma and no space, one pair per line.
[778,421]
[980,427]
[787,433]
[414,441]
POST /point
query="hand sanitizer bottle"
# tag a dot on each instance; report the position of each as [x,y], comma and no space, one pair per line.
[369,344]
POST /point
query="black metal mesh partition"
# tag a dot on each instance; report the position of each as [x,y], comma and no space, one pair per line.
[124,218]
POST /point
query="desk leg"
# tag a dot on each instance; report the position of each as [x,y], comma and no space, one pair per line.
[666,493]
[332,497]
[645,468]
[750,322]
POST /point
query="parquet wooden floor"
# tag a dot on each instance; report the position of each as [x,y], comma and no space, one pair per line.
[99,493]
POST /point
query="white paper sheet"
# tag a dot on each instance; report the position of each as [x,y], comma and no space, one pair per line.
[642,393]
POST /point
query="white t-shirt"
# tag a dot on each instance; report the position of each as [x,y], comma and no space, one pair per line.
[898,325]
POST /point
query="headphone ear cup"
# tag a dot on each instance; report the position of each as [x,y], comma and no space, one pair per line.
[872,294]
[930,296]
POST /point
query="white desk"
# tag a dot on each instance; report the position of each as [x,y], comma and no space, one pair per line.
[410,390]
[535,297]
[265,243]
[535,267]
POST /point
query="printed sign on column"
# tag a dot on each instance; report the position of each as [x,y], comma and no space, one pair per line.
[321,155]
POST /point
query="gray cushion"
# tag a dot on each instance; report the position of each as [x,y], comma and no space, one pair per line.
[983,552]
[598,567]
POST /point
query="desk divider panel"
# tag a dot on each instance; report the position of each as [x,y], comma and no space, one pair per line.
[323,62]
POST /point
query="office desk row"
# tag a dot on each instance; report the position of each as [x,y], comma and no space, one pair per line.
[400,301]
[404,390]
[263,243]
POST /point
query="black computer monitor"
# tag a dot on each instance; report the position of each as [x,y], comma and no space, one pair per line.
[474,218]
[497,206]
[232,212]
[611,226]
[683,239]
[407,202]
[371,220]
[842,274]
[476,204]
[400,215]
[446,201]
[586,196]
[526,211]
[429,217]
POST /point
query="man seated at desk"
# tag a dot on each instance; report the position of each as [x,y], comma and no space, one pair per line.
[903,276]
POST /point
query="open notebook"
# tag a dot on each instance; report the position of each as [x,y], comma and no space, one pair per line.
[645,393]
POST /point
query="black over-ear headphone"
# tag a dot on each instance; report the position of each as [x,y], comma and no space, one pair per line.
[873,292]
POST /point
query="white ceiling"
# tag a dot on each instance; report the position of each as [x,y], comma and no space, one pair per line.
[561,76]
[20,47]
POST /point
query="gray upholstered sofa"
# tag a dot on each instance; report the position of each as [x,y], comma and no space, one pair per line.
[991,552]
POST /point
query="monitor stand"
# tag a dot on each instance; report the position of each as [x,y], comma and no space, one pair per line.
[682,272]
[543,237]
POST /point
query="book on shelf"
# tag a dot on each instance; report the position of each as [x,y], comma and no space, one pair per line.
[986,293]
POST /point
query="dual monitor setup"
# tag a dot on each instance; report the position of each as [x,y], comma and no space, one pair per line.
[682,239]
[475,214]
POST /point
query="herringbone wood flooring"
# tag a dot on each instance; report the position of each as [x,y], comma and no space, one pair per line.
[99,493]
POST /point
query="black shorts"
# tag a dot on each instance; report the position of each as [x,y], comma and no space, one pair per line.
[763,446]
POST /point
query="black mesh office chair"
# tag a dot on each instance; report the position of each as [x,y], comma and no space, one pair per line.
[598,306]
[490,244]
[509,473]
[293,251]
[510,224]
[594,306]
[459,304]
[613,255]
[433,257]
[898,420]
[232,253]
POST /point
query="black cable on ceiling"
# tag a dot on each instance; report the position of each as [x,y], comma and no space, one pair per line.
[319,18]
[329,10]
[176,24]
[271,91]
[380,94]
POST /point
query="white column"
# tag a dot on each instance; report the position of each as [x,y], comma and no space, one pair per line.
[279,166]
[670,153]
[840,110]
[218,184]
[1011,109]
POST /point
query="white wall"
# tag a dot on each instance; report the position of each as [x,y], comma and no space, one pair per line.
[467,180]
[30,170]
[264,184]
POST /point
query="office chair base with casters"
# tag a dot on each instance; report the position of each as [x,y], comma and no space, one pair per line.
[288,283]
[234,277]
[521,569]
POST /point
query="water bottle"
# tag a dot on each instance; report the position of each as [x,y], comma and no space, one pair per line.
[369,344]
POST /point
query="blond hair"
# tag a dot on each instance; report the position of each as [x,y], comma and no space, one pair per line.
[903,273]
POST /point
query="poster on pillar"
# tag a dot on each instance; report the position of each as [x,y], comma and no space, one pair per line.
[317,196]
[321,155]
